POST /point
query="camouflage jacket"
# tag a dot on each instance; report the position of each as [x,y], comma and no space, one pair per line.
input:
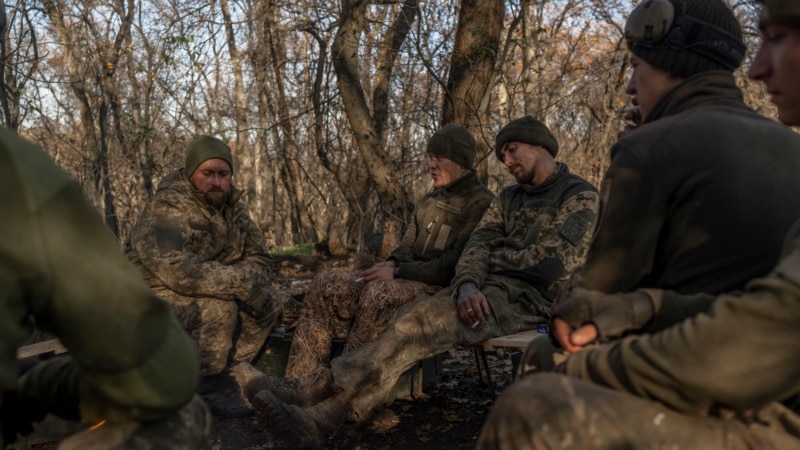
[184,245]
[443,221]
[698,198]
[129,358]
[532,236]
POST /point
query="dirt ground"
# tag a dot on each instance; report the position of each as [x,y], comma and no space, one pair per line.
[448,416]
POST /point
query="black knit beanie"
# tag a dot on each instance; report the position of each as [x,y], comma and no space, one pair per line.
[455,143]
[204,148]
[527,130]
[684,61]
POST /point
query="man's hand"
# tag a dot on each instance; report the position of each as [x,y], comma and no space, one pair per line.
[473,308]
[632,117]
[379,272]
[585,315]
[264,306]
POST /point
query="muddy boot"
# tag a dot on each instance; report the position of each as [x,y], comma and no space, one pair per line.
[224,397]
[305,391]
[302,427]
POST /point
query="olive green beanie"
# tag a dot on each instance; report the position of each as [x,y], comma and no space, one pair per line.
[527,130]
[455,143]
[204,148]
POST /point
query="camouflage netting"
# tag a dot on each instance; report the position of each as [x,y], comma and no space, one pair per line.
[338,307]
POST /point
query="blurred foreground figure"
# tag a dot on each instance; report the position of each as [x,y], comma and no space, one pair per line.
[131,370]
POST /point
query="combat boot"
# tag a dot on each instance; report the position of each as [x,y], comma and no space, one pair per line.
[306,391]
[302,427]
[223,395]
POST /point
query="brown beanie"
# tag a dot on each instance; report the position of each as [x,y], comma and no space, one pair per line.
[784,12]
[204,148]
[527,130]
[455,143]
[702,35]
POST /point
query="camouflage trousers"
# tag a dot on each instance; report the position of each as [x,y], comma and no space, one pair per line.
[428,326]
[187,429]
[338,307]
[223,332]
[546,410]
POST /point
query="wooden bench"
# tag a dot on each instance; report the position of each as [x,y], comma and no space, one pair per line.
[49,347]
[518,341]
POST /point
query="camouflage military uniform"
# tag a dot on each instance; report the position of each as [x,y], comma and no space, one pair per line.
[425,261]
[520,253]
[710,382]
[210,265]
[130,361]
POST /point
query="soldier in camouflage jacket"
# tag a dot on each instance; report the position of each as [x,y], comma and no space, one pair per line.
[199,249]
[358,305]
[512,267]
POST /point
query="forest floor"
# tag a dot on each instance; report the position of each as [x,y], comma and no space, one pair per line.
[449,415]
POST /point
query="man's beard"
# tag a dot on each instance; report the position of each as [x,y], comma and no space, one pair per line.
[216,197]
[523,176]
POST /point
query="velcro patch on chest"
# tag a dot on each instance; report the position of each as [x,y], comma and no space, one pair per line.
[574,229]
[448,207]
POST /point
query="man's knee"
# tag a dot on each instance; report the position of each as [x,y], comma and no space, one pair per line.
[534,412]
[428,316]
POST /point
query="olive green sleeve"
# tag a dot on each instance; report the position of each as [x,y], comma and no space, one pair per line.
[740,354]
[132,359]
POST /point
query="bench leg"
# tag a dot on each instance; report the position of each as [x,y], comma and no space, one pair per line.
[483,365]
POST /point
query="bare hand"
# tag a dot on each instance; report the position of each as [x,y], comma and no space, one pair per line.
[573,341]
[378,272]
[632,117]
[473,308]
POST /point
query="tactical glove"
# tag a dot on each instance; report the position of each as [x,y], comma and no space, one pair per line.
[612,314]
[263,305]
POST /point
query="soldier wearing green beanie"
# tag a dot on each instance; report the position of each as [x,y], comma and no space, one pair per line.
[199,249]
[711,372]
[202,149]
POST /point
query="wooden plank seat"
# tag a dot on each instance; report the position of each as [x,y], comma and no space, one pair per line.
[49,347]
[518,341]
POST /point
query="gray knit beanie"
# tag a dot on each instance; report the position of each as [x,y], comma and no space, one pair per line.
[455,143]
[527,130]
[204,148]
[685,37]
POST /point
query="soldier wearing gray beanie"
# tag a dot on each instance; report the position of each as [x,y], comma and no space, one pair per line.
[527,130]
[203,148]
[455,143]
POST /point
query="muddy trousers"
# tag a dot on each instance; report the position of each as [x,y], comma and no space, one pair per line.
[426,327]
[551,411]
[336,307]
[223,332]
